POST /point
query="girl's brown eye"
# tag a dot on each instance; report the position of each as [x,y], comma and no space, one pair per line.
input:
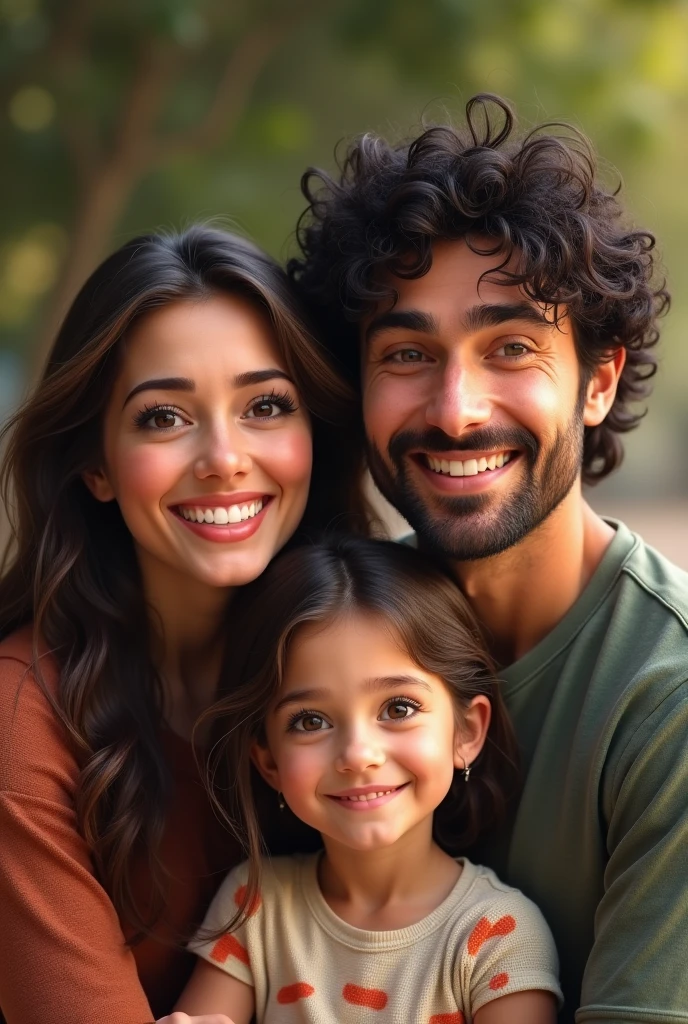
[311,723]
[398,711]
[263,410]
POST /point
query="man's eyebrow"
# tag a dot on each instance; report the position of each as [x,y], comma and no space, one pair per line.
[162,384]
[497,313]
[244,380]
[402,319]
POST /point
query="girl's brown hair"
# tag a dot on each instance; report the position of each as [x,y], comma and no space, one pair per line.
[426,613]
[70,568]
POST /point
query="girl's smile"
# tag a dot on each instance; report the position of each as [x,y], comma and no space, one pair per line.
[361,741]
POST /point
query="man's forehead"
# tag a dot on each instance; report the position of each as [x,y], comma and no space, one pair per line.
[462,288]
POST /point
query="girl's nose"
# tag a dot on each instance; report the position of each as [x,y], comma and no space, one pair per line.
[358,752]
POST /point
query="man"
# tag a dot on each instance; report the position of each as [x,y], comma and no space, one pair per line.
[506,317]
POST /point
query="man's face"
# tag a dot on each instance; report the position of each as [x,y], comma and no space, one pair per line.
[473,406]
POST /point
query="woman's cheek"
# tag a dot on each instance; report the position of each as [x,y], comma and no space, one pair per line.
[288,457]
[144,475]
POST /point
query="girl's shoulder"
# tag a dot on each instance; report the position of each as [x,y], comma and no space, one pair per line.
[34,750]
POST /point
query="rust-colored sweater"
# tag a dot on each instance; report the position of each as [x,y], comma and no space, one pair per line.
[63,957]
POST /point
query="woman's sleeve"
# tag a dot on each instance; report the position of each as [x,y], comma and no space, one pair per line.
[230,950]
[63,958]
[509,949]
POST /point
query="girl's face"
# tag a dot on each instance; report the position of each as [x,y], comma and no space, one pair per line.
[207,446]
[361,741]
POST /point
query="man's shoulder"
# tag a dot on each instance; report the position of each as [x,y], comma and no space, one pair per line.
[657,583]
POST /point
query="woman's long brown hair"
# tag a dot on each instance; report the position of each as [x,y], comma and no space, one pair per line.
[410,595]
[70,567]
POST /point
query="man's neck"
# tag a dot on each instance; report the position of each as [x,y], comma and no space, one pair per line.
[521,595]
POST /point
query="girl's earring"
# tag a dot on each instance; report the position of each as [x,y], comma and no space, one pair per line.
[280,802]
[466,772]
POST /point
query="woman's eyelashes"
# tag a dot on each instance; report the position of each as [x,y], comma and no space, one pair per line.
[161,417]
[270,407]
[398,709]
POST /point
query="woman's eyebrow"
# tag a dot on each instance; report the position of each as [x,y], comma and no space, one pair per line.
[162,384]
[244,380]
[241,380]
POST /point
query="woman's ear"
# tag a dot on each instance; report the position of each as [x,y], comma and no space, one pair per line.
[98,484]
[601,390]
[471,732]
[265,764]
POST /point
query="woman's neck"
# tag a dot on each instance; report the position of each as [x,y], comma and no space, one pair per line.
[388,888]
[187,641]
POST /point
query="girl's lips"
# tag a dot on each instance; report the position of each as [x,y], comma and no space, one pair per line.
[229,533]
[370,801]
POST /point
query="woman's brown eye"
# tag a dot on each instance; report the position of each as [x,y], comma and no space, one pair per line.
[164,419]
[263,409]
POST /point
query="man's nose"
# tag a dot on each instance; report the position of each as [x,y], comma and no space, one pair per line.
[359,750]
[222,453]
[460,402]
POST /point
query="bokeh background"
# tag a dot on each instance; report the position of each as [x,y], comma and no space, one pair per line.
[121,116]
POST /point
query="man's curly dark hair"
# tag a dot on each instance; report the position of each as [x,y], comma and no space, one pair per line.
[534,198]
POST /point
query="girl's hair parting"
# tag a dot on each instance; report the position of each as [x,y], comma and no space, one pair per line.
[409,594]
[70,568]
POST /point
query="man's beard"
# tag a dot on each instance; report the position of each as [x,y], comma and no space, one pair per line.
[465,528]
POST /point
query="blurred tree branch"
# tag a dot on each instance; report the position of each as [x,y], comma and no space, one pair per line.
[108,173]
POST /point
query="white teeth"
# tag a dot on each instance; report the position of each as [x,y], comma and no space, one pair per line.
[469,467]
[222,515]
[366,796]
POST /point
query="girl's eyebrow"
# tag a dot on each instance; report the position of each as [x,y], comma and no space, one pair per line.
[373,684]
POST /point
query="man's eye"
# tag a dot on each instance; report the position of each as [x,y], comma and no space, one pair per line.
[513,348]
[408,355]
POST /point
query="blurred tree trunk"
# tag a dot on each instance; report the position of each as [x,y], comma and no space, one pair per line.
[107,180]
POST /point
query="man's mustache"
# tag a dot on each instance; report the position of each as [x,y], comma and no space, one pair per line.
[484,439]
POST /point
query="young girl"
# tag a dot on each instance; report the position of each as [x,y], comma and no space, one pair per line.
[364,697]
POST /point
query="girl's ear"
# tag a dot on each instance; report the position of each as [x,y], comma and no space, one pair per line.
[265,763]
[98,484]
[470,734]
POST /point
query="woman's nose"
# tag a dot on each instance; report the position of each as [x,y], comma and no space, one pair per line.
[222,454]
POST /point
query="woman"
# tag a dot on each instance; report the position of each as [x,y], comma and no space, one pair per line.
[162,461]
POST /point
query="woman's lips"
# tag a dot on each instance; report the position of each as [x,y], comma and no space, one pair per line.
[224,532]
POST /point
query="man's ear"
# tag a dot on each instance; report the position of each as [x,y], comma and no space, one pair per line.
[265,763]
[98,484]
[601,389]
[471,732]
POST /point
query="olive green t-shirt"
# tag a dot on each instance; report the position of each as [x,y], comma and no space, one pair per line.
[600,839]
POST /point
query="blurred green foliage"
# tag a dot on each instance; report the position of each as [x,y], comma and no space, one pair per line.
[120,117]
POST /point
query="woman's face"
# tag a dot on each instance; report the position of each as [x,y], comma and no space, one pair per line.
[207,446]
